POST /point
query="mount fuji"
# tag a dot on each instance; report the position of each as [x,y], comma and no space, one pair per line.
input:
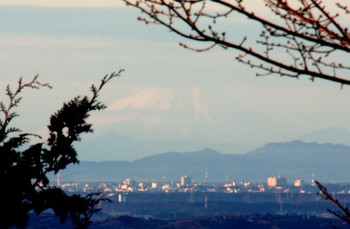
[161,113]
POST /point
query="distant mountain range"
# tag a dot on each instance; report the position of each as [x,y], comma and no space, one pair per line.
[293,160]
[328,135]
[118,147]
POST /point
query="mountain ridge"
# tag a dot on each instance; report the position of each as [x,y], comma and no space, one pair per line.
[119,147]
[296,145]
[112,146]
[333,135]
[293,160]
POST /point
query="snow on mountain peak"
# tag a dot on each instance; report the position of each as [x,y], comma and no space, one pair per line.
[168,108]
[147,99]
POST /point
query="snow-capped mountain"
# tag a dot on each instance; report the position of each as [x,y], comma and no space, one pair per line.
[163,113]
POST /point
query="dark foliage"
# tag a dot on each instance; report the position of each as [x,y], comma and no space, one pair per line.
[24,166]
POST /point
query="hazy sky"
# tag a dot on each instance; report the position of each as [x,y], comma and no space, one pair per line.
[166,92]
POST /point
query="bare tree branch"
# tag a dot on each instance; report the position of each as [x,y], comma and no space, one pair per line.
[343,213]
[299,38]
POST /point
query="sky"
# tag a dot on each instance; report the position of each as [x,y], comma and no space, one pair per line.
[166,92]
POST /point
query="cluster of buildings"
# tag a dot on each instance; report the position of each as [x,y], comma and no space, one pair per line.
[185,184]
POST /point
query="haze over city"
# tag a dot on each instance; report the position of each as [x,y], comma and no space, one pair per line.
[166,92]
[204,114]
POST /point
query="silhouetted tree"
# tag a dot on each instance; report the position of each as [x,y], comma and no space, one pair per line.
[297,38]
[24,166]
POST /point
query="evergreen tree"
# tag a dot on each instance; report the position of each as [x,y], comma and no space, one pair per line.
[24,166]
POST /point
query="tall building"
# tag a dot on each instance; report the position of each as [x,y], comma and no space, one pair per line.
[129,182]
[185,181]
[313,180]
[276,181]
[281,181]
[271,181]
[154,185]
[298,183]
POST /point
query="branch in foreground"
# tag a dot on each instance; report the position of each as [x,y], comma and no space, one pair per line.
[301,38]
[343,212]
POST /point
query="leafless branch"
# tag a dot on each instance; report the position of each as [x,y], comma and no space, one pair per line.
[303,38]
[343,212]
